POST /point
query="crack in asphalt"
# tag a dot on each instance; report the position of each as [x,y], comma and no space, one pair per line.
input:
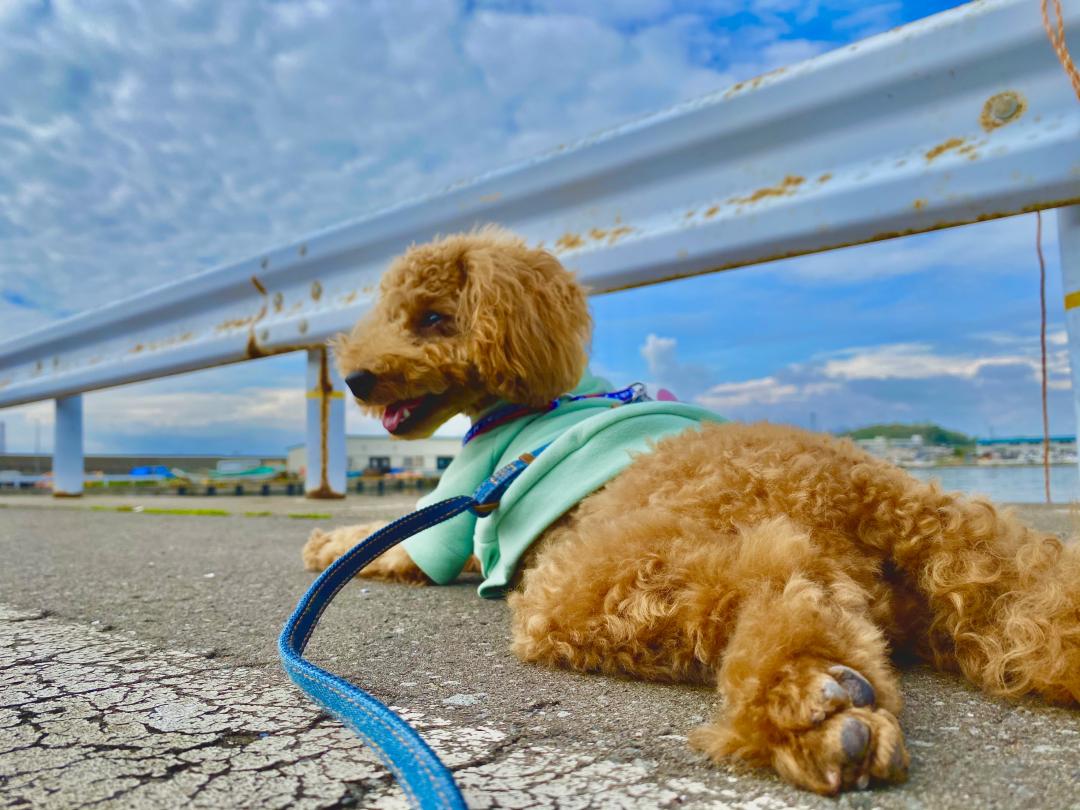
[96,719]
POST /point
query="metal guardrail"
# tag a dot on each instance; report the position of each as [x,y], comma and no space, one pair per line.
[960,117]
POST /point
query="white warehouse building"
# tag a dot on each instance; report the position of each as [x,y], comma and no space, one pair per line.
[429,456]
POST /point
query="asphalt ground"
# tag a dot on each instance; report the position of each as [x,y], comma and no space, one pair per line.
[138,669]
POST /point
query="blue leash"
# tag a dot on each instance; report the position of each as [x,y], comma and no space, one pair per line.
[426,781]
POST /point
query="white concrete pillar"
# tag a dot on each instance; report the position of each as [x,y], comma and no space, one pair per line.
[326,461]
[68,471]
[1069,239]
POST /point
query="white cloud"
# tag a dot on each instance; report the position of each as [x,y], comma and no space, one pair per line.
[685,380]
[909,361]
[658,352]
[979,393]
[146,141]
[762,391]
[913,361]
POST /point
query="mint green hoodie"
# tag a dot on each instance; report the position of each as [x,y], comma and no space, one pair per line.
[590,442]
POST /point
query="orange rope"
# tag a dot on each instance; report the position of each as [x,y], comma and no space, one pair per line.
[1056,31]
[1042,340]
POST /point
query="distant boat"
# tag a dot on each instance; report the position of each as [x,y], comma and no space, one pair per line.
[255,473]
[157,470]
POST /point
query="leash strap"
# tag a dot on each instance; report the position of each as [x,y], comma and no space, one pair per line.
[508,413]
[426,781]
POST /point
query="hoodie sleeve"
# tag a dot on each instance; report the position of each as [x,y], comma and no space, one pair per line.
[442,550]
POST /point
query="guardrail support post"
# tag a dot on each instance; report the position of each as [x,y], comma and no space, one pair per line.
[326,462]
[1069,239]
[68,473]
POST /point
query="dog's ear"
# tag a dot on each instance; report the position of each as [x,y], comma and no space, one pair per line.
[528,321]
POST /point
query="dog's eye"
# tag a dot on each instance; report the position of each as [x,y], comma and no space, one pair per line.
[429,319]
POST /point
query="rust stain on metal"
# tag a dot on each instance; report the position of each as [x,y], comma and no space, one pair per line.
[253,351]
[711,211]
[258,284]
[279,301]
[302,327]
[154,345]
[825,178]
[597,233]
[1002,109]
[235,323]
[690,214]
[615,234]
[945,146]
[754,83]
[326,390]
[919,204]
[316,291]
[569,241]
[786,186]
[348,299]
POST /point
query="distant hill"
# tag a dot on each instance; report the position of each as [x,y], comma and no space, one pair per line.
[931,434]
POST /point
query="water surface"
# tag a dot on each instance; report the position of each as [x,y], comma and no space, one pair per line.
[1011,484]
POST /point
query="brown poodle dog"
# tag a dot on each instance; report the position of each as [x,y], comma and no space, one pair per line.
[782,565]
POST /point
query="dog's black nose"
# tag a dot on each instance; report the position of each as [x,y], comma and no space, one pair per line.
[360,383]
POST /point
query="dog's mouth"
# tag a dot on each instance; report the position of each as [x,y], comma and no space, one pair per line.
[399,417]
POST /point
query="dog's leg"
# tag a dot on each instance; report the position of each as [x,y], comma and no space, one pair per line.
[1004,600]
[804,670]
[808,689]
[395,565]
[617,593]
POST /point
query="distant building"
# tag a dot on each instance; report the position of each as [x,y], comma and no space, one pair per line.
[910,452]
[915,452]
[1025,450]
[383,453]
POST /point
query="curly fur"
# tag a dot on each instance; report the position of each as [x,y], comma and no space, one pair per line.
[757,557]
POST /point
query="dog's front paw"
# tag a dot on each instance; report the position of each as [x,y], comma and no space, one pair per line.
[322,548]
[395,565]
[819,727]
[846,751]
[834,737]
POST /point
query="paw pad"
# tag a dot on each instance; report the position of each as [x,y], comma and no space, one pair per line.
[857,687]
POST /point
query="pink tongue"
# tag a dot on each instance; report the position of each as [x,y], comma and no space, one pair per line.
[398,412]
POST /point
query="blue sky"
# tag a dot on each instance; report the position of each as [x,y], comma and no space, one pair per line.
[142,142]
